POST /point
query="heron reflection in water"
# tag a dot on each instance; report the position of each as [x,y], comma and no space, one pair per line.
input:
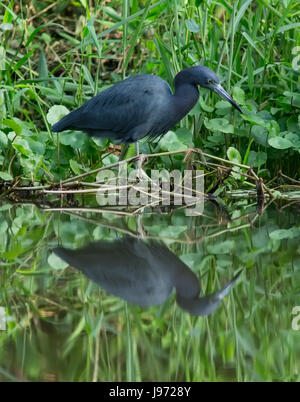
[143,273]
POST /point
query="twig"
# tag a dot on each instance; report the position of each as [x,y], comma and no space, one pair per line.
[42,11]
[289,178]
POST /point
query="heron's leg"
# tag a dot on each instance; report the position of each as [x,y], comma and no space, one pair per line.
[124,150]
[137,148]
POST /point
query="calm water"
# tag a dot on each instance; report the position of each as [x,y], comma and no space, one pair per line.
[154,297]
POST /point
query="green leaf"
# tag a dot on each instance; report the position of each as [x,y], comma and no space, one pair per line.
[75,166]
[219,124]
[173,231]
[273,128]
[42,67]
[3,138]
[257,158]
[196,110]
[56,262]
[239,95]
[100,142]
[260,135]
[280,143]
[254,119]
[192,26]
[170,142]
[23,60]
[234,155]
[293,137]
[136,34]
[251,42]
[3,226]
[224,247]
[88,77]
[74,139]
[56,113]
[222,107]
[6,176]
[37,30]
[109,159]
[13,125]
[6,26]
[216,138]
[280,234]
[2,58]
[290,98]
[185,136]
[37,147]
[292,123]
[22,146]
[204,106]
[91,29]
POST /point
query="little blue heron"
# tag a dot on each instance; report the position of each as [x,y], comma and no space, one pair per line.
[142,105]
[143,273]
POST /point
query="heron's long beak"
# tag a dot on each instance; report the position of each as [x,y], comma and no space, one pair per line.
[221,91]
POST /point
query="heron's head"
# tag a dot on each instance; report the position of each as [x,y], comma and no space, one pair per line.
[207,78]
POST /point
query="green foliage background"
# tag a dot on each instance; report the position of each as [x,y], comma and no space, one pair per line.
[62,53]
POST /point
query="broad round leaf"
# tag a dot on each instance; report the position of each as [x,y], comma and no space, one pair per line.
[56,113]
[280,143]
[239,95]
[222,125]
[170,142]
[234,155]
[5,176]
[56,262]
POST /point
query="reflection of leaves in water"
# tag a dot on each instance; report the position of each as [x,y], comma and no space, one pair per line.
[221,247]
[285,233]
[253,335]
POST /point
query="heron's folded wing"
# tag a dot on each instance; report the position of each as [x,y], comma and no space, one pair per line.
[119,108]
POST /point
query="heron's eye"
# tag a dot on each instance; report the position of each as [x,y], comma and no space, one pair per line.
[210,81]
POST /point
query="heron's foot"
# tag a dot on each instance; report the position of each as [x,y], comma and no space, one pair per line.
[141,159]
[123,153]
[189,157]
[140,228]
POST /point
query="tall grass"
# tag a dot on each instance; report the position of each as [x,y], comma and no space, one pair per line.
[68,53]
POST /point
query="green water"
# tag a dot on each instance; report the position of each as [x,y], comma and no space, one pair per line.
[59,325]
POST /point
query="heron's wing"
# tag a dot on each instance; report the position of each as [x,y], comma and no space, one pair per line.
[120,109]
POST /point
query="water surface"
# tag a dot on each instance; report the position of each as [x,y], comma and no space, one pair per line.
[105,297]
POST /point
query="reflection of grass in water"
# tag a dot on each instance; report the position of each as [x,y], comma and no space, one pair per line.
[67,328]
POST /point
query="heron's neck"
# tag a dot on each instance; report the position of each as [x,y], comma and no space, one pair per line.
[186,93]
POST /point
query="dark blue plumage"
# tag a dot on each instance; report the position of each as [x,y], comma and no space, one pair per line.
[141,105]
[143,273]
